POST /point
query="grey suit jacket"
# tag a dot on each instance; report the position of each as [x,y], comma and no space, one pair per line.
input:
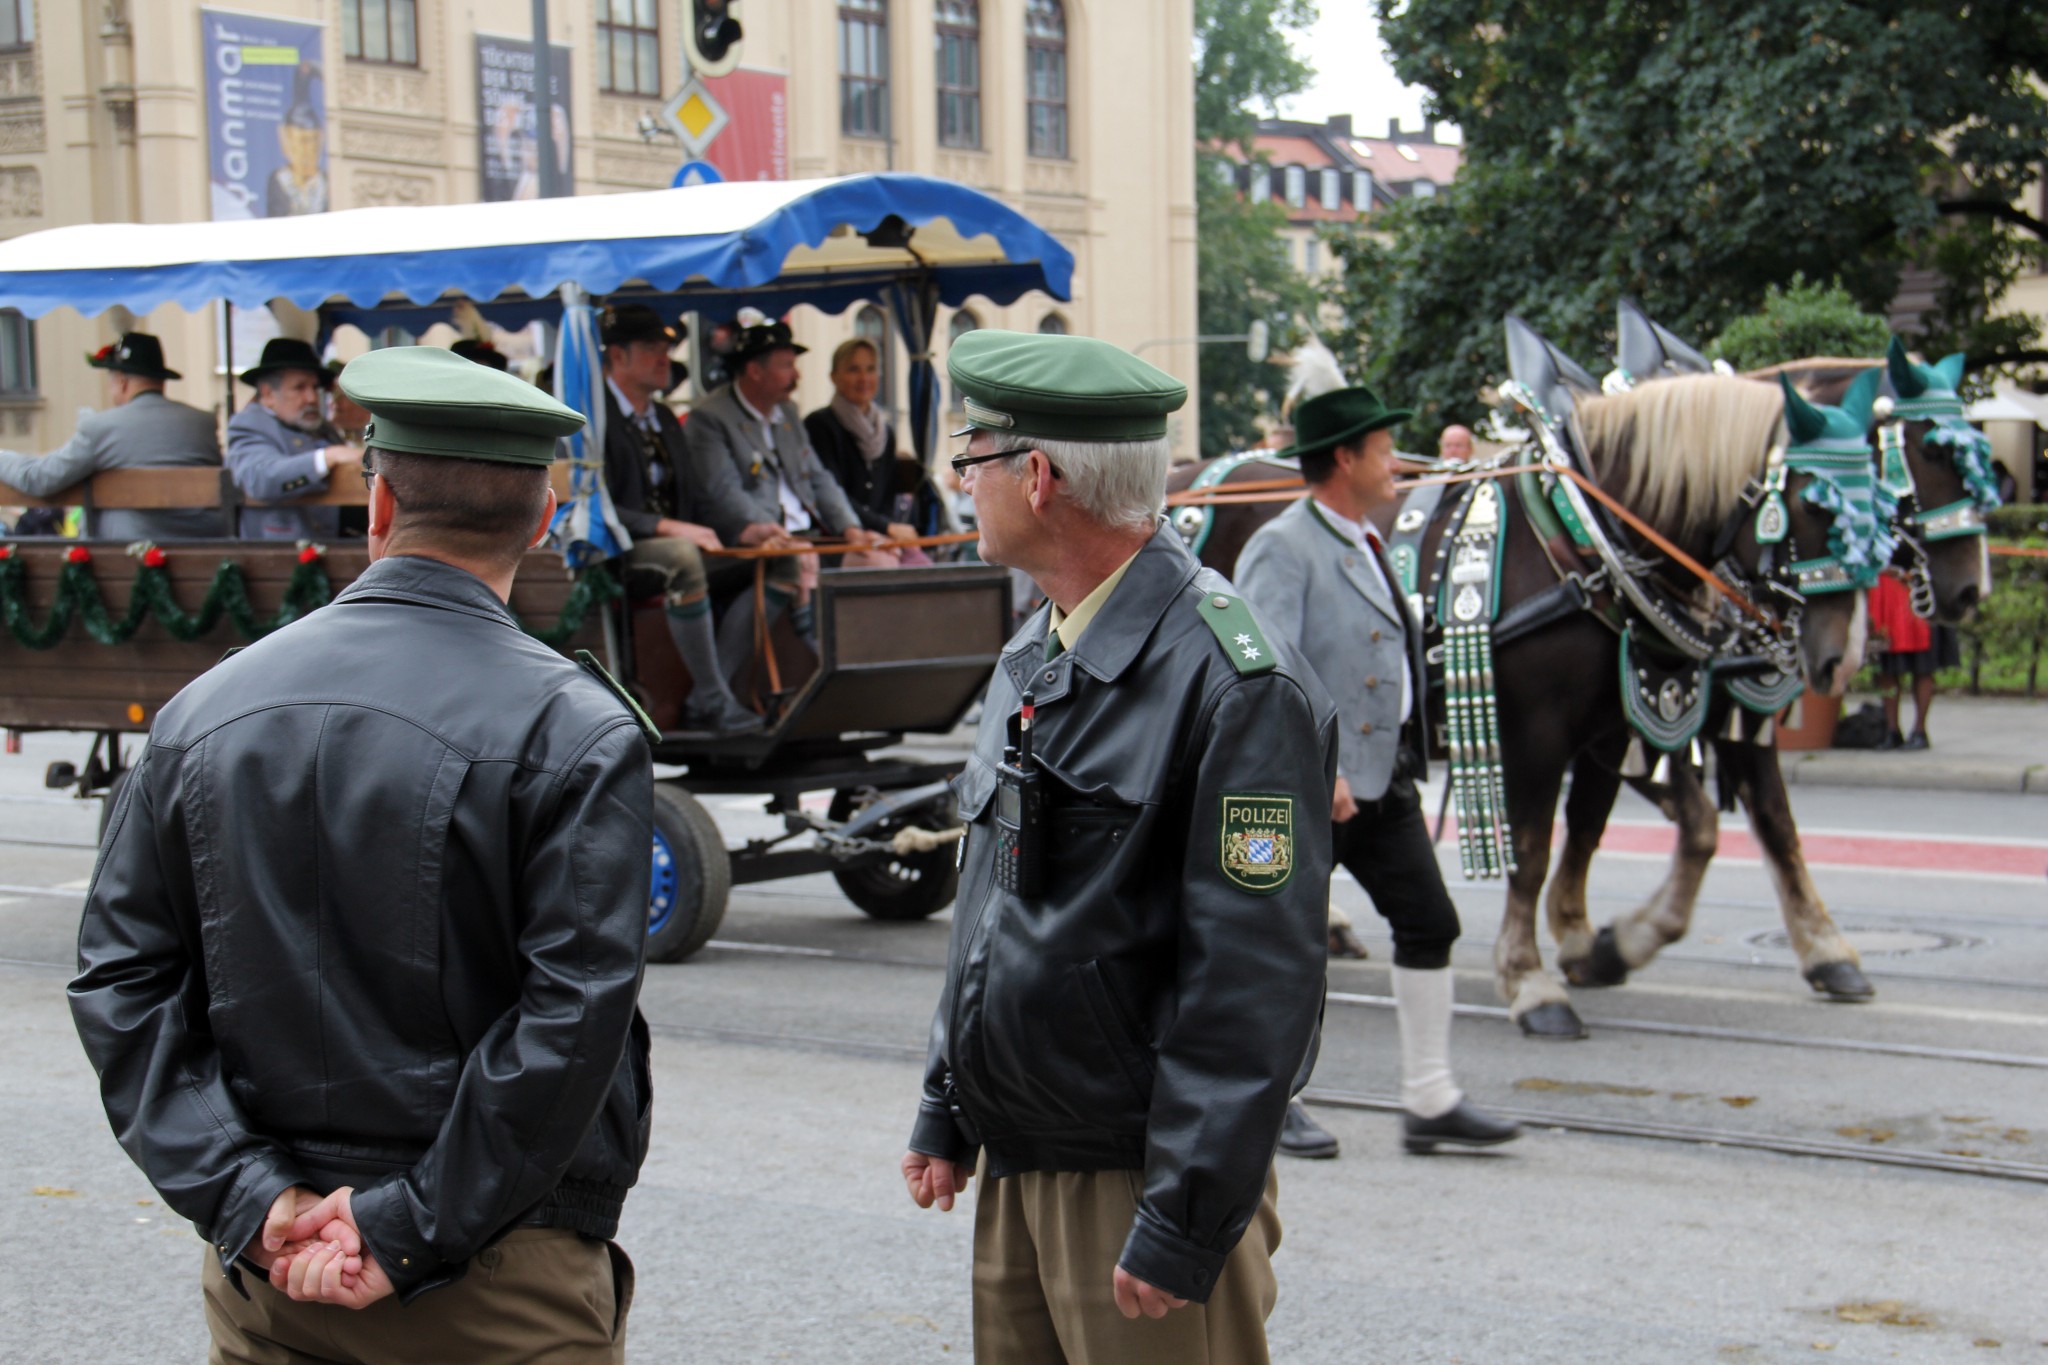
[1310,583]
[149,431]
[739,477]
[271,462]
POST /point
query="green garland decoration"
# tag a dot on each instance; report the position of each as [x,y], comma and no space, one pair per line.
[79,600]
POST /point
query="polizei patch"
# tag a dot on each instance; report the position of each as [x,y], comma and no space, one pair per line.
[1257,850]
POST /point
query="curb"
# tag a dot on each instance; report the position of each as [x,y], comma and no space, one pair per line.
[1894,771]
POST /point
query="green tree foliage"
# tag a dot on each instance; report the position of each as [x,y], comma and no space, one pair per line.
[1694,155]
[1242,63]
[1799,321]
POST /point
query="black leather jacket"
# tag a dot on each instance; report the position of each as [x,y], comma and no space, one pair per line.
[1146,1012]
[370,911]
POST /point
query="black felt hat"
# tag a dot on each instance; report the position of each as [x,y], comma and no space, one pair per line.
[288,353]
[482,352]
[622,324]
[760,339]
[136,353]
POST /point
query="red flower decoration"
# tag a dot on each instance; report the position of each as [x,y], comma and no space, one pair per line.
[309,554]
[6,552]
[105,351]
[153,558]
[78,554]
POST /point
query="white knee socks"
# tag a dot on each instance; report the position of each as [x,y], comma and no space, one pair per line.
[1423,1001]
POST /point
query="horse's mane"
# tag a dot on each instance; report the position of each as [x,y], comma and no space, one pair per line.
[1689,445]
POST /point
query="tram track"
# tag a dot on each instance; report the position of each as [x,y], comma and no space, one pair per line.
[1695,1135]
[1361,1000]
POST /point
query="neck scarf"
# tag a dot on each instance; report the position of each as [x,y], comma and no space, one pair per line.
[870,429]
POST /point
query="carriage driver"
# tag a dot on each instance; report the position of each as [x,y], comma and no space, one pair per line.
[1136,971]
[1320,561]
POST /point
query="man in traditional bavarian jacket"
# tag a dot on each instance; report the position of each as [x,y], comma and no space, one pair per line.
[1136,972]
[1319,574]
[359,962]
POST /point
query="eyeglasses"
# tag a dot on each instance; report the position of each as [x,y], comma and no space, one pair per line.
[962,463]
[368,472]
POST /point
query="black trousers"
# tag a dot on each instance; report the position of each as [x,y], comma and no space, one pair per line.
[1386,847]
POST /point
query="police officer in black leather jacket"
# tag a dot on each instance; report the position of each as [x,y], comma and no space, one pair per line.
[1120,1044]
[369,918]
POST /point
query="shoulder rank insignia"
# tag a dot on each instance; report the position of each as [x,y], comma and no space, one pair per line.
[1256,851]
[617,689]
[1238,633]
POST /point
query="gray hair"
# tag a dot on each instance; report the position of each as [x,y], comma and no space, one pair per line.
[1119,484]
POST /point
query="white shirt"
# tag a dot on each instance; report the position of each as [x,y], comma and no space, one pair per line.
[1364,537]
[795,517]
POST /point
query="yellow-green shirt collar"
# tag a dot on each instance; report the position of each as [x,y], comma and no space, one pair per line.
[1069,628]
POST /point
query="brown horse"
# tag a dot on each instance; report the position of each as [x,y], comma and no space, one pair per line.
[1958,574]
[1559,692]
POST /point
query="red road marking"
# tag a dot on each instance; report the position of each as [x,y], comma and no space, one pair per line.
[1916,853]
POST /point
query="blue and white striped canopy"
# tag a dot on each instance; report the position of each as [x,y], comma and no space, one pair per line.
[775,243]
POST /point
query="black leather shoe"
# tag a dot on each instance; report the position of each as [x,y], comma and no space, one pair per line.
[1466,1125]
[719,717]
[1916,740]
[1893,740]
[1301,1136]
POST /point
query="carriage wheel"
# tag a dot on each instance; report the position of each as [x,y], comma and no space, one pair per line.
[692,876]
[903,886]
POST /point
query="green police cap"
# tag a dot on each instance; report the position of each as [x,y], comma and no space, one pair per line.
[425,400]
[1064,388]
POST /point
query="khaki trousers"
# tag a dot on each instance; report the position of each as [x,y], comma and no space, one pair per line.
[540,1295]
[1045,1246]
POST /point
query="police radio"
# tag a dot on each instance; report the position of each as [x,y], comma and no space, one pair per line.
[1020,811]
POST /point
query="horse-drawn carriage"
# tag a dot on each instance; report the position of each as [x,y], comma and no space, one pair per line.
[96,636]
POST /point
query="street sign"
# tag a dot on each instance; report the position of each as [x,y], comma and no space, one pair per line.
[695,117]
[696,173]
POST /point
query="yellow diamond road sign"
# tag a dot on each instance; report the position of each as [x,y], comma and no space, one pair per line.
[696,118]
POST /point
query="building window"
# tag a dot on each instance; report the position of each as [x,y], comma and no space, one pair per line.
[864,68]
[17,23]
[1310,256]
[17,350]
[1262,185]
[1052,325]
[1423,189]
[629,47]
[371,30]
[1297,187]
[959,44]
[1361,191]
[872,324]
[1333,190]
[1045,76]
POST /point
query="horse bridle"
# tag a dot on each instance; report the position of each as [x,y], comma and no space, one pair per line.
[1918,528]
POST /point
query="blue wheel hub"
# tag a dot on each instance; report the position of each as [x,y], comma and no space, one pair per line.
[661,902]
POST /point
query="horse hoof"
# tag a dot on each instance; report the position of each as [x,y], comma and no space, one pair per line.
[1601,966]
[1552,1021]
[1840,981]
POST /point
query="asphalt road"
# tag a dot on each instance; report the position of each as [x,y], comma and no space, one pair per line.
[770,1225]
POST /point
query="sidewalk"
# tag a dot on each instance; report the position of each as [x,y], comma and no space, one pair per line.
[1983,744]
[1986,744]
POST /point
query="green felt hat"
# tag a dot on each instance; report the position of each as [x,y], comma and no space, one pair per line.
[1062,388]
[425,400]
[1330,419]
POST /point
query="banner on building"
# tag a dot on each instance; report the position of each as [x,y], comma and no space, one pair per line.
[266,115]
[507,104]
[754,144]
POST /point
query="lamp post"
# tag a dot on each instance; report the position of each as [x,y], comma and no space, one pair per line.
[544,103]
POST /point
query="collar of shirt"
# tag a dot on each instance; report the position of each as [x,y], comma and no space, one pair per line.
[767,422]
[641,417]
[1069,627]
[1362,534]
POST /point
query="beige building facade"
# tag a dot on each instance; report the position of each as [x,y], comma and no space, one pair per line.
[1078,113]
